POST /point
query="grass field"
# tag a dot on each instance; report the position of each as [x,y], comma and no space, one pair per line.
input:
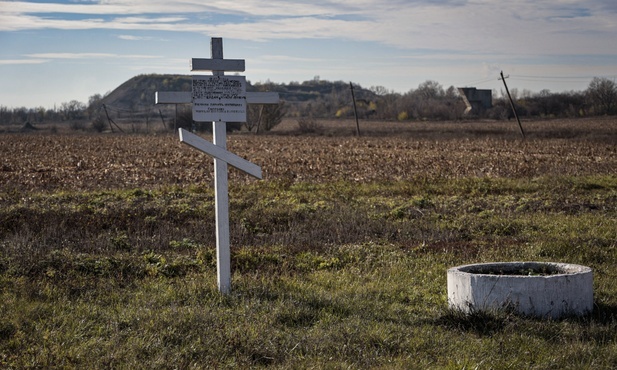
[339,256]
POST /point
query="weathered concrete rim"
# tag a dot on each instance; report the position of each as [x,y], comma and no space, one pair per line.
[511,269]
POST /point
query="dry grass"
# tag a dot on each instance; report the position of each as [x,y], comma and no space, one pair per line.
[387,152]
[339,257]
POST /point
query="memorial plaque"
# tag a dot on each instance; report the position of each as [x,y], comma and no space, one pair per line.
[219,98]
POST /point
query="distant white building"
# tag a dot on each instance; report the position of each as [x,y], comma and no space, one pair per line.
[476,100]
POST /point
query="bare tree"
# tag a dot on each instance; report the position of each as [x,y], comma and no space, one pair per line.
[602,93]
[95,102]
[264,117]
[430,90]
[72,110]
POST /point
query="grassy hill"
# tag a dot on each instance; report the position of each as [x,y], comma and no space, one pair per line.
[138,92]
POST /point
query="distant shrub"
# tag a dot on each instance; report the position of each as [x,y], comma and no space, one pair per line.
[308,125]
[500,113]
[98,124]
[77,125]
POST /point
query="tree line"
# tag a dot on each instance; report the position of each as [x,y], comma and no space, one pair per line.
[431,101]
[66,112]
[318,98]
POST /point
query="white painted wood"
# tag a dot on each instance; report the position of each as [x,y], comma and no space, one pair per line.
[221,191]
[221,200]
[262,98]
[173,97]
[217,152]
[216,48]
[227,65]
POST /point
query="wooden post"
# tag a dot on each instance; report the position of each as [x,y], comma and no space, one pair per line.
[108,119]
[221,201]
[520,127]
[111,120]
[221,189]
[355,110]
[163,119]
[261,110]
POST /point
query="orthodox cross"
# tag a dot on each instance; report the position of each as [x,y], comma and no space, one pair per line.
[219,99]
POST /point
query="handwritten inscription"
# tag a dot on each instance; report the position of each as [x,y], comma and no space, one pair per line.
[219,87]
[219,98]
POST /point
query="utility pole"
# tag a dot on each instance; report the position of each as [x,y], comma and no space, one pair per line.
[111,120]
[355,110]
[512,104]
[162,119]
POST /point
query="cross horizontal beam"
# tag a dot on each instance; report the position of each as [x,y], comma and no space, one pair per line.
[220,153]
[227,65]
[173,97]
[262,98]
[186,97]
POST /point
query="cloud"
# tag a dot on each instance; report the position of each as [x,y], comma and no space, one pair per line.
[526,27]
[25,7]
[89,56]
[137,20]
[133,38]
[286,58]
[491,69]
[22,61]
[111,7]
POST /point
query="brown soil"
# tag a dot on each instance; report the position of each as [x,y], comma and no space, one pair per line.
[387,151]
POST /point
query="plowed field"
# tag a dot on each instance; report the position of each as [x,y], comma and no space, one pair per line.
[385,152]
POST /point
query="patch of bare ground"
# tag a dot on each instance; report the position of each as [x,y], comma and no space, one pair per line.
[387,151]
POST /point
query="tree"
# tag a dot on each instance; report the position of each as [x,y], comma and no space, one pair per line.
[267,116]
[379,90]
[20,115]
[95,102]
[39,114]
[602,94]
[452,93]
[72,110]
[5,115]
[430,90]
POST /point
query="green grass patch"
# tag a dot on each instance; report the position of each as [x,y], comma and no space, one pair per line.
[325,275]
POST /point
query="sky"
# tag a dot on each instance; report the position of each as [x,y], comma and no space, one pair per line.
[58,51]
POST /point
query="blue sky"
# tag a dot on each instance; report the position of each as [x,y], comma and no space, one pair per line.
[56,51]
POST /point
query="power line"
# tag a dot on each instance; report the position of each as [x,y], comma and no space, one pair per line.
[554,79]
[537,78]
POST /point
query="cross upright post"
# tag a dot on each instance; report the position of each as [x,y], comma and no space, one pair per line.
[221,191]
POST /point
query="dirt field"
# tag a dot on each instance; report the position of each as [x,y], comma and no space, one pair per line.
[386,151]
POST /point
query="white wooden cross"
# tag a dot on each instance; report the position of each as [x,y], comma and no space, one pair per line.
[219,98]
